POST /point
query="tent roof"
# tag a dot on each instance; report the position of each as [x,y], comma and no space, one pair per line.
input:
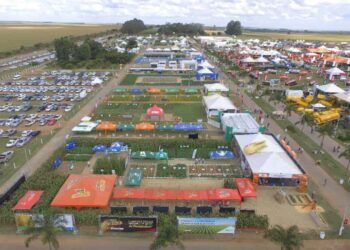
[272,160]
[144,126]
[216,87]
[261,60]
[330,88]
[206,64]
[205,71]
[248,60]
[106,126]
[155,111]
[245,187]
[85,191]
[218,102]
[219,194]
[240,122]
[334,71]
[27,201]
[344,96]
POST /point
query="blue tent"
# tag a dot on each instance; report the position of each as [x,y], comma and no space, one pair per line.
[57,162]
[188,126]
[117,144]
[206,74]
[99,148]
[136,91]
[114,149]
[199,58]
[222,154]
[71,145]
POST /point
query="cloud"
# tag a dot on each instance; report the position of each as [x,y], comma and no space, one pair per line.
[293,14]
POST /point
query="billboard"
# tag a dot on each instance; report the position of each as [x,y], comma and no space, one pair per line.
[110,223]
[23,221]
[207,225]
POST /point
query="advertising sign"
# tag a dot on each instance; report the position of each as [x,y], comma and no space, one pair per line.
[210,225]
[110,223]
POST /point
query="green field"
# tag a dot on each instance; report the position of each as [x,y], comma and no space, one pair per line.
[321,36]
[13,36]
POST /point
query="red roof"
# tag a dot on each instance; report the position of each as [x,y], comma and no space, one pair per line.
[220,194]
[27,201]
[245,187]
[85,191]
[155,111]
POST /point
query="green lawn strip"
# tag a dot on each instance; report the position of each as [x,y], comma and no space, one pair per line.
[129,79]
[330,165]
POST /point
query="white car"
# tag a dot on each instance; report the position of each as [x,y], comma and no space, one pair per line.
[11,143]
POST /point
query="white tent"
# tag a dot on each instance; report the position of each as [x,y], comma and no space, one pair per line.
[96,81]
[217,103]
[205,71]
[344,96]
[84,127]
[318,106]
[215,87]
[334,72]
[330,88]
[272,161]
[240,123]
[206,64]
[261,60]
[248,60]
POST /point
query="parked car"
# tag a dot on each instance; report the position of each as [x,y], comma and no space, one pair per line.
[11,143]
[51,122]
[5,156]
[22,141]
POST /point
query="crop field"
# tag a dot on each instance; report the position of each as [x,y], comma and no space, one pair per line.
[14,36]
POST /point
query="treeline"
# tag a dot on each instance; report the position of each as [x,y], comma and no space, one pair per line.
[190,29]
[89,54]
[39,46]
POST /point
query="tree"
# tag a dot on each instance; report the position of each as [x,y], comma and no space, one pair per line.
[47,231]
[133,26]
[289,108]
[324,130]
[64,48]
[83,52]
[234,28]
[346,155]
[181,29]
[289,238]
[132,43]
[305,119]
[168,233]
[96,48]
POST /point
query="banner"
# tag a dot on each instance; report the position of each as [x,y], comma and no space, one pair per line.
[23,221]
[110,223]
[210,225]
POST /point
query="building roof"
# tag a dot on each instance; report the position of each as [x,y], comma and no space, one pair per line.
[27,201]
[330,88]
[240,123]
[272,160]
[218,102]
[216,87]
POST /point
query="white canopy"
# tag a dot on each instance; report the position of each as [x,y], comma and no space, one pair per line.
[261,60]
[96,81]
[272,160]
[216,87]
[206,64]
[318,106]
[294,93]
[218,102]
[205,71]
[84,127]
[240,123]
[334,71]
[344,96]
[248,60]
[330,88]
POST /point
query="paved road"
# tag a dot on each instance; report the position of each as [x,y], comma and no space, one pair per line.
[139,243]
[58,140]
[336,195]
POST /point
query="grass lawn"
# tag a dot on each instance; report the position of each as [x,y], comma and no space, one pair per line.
[22,34]
[129,79]
[332,167]
[189,112]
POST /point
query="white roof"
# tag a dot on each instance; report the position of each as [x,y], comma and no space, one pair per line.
[261,60]
[86,119]
[218,102]
[272,160]
[240,123]
[344,96]
[205,71]
[248,60]
[294,93]
[334,71]
[216,87]
[97,81]
[330,88]
[206,64]
[318,105]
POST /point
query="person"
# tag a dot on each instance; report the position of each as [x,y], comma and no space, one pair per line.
[334,149]
[312,130]
[338,149]
[325,182]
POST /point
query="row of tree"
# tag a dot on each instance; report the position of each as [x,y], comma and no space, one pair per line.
[190,29]
[70,53]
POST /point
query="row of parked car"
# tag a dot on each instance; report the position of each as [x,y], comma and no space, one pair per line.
[28,60]
[30,119]
[43,89]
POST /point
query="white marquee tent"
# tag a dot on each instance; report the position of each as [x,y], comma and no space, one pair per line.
[216,103]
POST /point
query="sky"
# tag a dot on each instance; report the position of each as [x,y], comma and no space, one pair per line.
[290,14]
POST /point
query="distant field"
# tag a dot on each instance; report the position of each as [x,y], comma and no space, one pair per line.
[327,37]
[14,36]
